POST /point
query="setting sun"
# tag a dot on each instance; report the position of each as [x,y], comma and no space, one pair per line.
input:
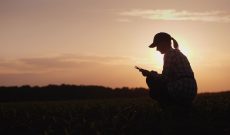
[157,59]
[185,48]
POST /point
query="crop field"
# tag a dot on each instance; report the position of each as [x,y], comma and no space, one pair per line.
[210,114]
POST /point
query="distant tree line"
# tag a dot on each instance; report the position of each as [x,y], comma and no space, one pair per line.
[66,92]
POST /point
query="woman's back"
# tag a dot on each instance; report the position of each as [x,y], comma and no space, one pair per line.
[181,82]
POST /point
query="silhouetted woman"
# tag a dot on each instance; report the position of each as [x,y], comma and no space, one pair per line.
[176,84]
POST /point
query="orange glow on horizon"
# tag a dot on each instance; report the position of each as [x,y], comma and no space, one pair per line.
[45,42]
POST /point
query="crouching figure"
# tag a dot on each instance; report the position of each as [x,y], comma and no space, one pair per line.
[176,84]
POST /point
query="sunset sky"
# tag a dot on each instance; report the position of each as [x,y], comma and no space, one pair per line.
[98,42]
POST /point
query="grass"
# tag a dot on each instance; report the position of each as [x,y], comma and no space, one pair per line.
[119,116]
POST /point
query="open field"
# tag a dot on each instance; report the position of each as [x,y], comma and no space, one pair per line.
[141,116]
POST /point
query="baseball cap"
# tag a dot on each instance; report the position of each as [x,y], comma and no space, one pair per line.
[160,37]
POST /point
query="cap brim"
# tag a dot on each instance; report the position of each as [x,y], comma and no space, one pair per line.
[152,45]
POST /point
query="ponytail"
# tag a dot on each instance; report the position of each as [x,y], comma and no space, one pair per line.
[175,44]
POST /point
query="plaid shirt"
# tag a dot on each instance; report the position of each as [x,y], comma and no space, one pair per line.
[179,75]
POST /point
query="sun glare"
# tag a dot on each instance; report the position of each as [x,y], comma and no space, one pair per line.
[184,47]
[157,59]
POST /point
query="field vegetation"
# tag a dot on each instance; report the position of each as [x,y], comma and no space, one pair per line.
[121,115]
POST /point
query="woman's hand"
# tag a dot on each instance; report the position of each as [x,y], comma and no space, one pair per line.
[154,73]
[145,72]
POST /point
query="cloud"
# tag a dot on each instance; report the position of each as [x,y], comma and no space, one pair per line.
[62,62]
[123,20]
[174,15]
[68,68]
